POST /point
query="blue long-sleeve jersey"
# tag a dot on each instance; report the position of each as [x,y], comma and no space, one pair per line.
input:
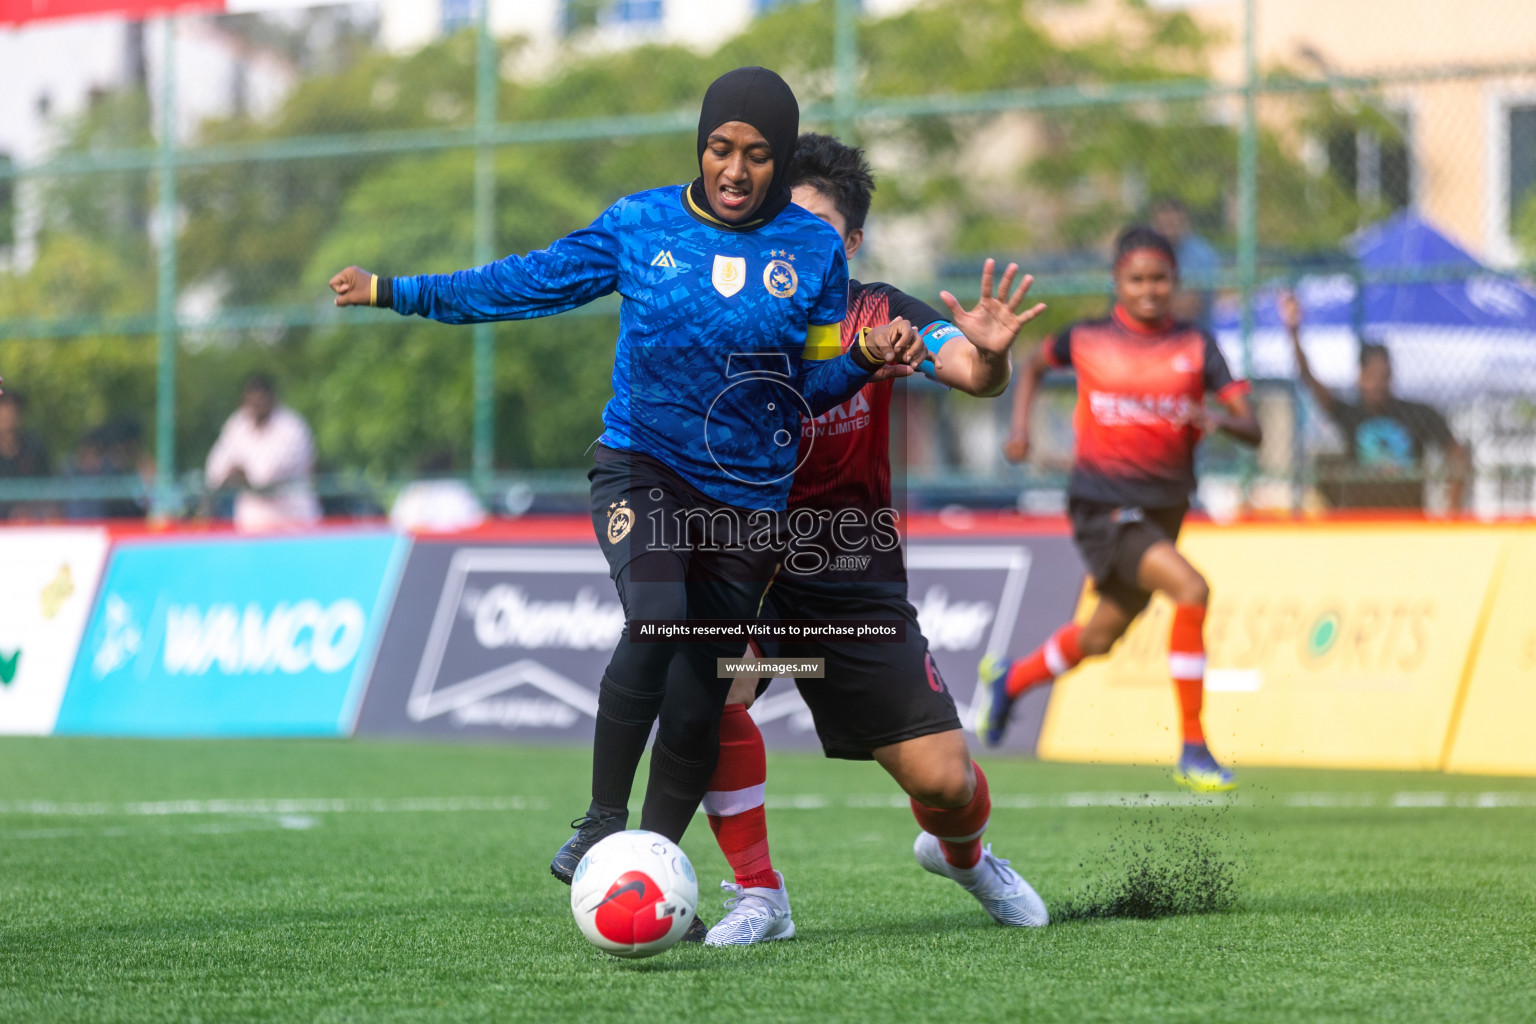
[726,337]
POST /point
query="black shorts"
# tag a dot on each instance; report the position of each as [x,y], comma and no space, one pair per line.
[641,506]
[1113,539]
[874,693]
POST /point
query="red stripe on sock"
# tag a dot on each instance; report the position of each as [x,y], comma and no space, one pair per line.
[1033,669]
[951,824]
[743,838]
[1191,697]
[1028,671]
[1069,639]
[743,763]
[1188,637]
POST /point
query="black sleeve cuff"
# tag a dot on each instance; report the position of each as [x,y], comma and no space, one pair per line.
[386,293]
[861,355]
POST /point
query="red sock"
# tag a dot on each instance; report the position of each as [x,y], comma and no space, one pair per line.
[1186,663]
[1056,656]
[734,802]
[959,829]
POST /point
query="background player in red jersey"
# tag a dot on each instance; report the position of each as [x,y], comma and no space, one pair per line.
[1142,378]
[884,701]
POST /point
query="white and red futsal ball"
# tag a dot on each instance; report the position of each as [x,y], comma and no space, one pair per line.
[634,894]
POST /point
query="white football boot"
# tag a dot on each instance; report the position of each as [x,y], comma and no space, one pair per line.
[756,915]
[999,889]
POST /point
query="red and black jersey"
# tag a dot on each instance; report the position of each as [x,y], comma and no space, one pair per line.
[845,459]
[846,464]
[1136,387]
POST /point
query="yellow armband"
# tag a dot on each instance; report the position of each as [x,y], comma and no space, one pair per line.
[823,341]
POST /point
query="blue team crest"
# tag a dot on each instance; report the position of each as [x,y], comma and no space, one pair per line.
[780,279]
[729,275]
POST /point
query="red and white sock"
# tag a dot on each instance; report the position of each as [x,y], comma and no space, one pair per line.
[1057,656]
[959,829]
[734,802]
[1186,663]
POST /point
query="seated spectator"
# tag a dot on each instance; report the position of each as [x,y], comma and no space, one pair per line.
[266,454]
[22,454]
[90,460]
[112,452]
[125,455]
[1386,438]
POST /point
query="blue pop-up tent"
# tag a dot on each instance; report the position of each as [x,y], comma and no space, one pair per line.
[1457,329]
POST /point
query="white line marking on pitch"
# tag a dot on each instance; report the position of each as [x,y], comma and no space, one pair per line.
[1179,798]
[256,823]
[300,806]
[297,805]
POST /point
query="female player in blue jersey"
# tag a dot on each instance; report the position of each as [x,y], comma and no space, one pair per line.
[728,333]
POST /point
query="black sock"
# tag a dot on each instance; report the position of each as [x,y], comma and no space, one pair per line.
[673,793]
[624,720]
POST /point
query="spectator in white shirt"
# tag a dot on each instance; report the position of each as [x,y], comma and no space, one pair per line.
[266,453]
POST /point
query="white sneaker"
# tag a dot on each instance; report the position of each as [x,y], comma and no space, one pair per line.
[756,915]
[999,889]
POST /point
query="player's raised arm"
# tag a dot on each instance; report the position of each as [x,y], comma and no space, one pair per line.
[571,272]
[1290,315]
[981,367]
[1016,445]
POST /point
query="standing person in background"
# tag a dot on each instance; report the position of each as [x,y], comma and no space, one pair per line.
[1197,259]
[1142,380]
[1385,438]
[22,453]
[267,455]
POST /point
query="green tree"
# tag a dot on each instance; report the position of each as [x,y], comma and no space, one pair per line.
[1525,227]
[262,237]
[78,382]
[552,375]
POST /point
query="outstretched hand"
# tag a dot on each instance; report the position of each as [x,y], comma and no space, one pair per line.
[353,287]
[995,321]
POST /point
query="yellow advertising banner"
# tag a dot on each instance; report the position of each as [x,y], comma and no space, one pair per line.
[1340,645]
[1495,727]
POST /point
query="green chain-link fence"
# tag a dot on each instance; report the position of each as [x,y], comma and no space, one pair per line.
[155,262]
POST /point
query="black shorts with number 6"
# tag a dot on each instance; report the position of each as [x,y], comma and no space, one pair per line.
[874,692]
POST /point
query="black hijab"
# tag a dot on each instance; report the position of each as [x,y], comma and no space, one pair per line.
[760,98]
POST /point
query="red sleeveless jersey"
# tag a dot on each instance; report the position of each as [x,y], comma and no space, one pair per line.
[1136,387]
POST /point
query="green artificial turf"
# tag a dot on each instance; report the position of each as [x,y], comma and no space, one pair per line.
[1349,905]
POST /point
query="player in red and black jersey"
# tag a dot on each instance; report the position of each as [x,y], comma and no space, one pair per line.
[882,701]
[1142,381]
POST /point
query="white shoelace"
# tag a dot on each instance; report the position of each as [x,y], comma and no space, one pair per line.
[759,905]
[999,866]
